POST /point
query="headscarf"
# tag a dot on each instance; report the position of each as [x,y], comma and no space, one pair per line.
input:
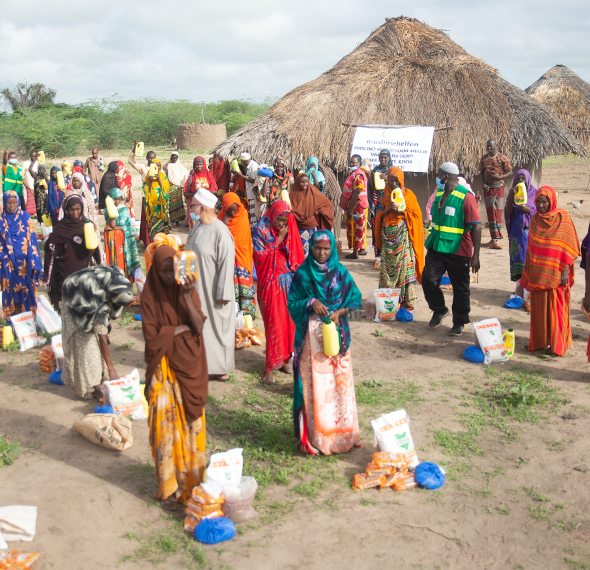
[314,161]
[553,245]
[61,262]
[176,171]
[311,208]
[221,172]
[91,186]
[96,295]
[158,241]
[124,181]
[373,194]
[412,215]
[383,169]
[54,196]
[198,176]
[162,310]
[531,194]
[265,239]
[239,226]
[107,183]
[20,261]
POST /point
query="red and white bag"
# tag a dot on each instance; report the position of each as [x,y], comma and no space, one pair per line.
[489,338]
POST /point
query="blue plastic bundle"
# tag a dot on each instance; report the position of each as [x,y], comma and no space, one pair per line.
[429,475]
[104,410]
[473,354]
[254,276]
[445,280]
[404,316]
[515,302]
[55,378]
[138,317]
[266,172]
[213,531]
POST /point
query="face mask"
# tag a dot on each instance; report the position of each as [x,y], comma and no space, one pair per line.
[440,184]
[12,161]
[195,218]
[352,168]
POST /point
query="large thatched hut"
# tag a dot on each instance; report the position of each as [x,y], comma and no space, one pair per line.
[407,73]
[568,96]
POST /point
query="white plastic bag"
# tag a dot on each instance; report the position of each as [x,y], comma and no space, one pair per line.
[26,332]
[45,231]
[136,227]
[238,500]
[139,281]
[386,304]
[240,321]
[392,433]
[57,346]
[124,395]
[47,318]
[225,467]
[489,338]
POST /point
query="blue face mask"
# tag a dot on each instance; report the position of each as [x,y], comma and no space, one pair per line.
[195,218]
[12,160]
[440,184]
[352,168]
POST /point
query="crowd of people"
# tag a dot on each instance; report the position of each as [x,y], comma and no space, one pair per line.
[263,241]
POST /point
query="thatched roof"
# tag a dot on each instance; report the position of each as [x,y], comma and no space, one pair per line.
[405,73]
[568,96]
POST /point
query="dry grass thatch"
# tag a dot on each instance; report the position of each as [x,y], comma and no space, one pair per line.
[568,96]
[405,73]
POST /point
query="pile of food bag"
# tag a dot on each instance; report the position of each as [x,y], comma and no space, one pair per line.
[245,338]
[386,470]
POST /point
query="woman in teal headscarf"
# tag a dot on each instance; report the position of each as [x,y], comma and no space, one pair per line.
[119,237]
[324,401]
[315,176]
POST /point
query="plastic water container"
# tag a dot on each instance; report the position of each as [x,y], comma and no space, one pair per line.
[235,167]
[520,197]
[379,182]
[41,157]
[111,208]
[47,220]
[397,197]
[7,336]
[248,321]
[90,237]
[139,149]
[331,338]
[153,171]
[509,341]
[285,196]
[68,168]
[61,183]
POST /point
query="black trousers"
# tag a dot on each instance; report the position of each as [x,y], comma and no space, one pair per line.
[458,268]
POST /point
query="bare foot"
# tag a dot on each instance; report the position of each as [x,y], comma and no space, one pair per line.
[351,256]
[287,368]
[269,378]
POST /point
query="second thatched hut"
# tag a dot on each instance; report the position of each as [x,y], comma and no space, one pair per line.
[568,96]
[407,73]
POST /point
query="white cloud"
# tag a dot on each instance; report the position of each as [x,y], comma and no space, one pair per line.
[206,50]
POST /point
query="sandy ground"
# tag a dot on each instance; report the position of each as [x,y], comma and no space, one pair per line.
[88,498]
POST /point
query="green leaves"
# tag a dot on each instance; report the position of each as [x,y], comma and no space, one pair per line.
[8,451]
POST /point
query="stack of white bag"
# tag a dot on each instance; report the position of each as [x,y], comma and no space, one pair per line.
[392,433]
[489,337]
[225,471]
[26,331]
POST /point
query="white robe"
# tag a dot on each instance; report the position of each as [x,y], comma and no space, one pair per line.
[214,246]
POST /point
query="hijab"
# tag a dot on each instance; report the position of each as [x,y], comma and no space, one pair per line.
[107,183]
[159,240]
[176,171]
[96,295]
[54,196]
[313,161]
[204,174]
[524,219]
[553,245]
[311,208]
[13,221]
[384,169]
[412,217]
[239,226]
[162,310]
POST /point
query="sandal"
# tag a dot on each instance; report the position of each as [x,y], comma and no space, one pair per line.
[269,380]
[221,377]
[351,256]
[170,505]
[286,368]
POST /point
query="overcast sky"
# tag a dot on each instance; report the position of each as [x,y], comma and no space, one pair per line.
[212,50]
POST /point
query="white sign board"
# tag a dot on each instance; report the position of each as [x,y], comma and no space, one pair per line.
[410,146]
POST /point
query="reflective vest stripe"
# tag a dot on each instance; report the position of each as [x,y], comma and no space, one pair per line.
[450,230]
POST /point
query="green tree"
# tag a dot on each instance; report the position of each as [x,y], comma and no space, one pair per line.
[28,96]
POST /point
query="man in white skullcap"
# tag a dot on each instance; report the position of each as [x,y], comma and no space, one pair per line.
[453,247]
[213,243]
[250,179]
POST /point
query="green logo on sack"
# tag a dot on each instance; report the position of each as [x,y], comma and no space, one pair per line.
[403,438]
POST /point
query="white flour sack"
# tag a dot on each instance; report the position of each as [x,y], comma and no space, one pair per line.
[386,304]
[124,395]
[489,338]
[392,433]
[26,331]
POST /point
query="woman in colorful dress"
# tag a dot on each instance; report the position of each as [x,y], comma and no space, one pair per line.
[374,196]
[158,241]
[40,189]
[518,220]
[324,401]
[355,192]
[312,210]
[278,253]
[65,249]
[200,177]
[282,180]
[235,217]
[177,175]
[119,238]
[79,167]
[400,237]
[548,274]
[20,261]
[155,189]
[125,183]
[315,176]
[176,380]
[55,196]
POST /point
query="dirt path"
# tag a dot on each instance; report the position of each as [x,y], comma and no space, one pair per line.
[517,476]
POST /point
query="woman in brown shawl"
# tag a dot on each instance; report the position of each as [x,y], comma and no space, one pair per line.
[65,250]
[176,383]
[312,210]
